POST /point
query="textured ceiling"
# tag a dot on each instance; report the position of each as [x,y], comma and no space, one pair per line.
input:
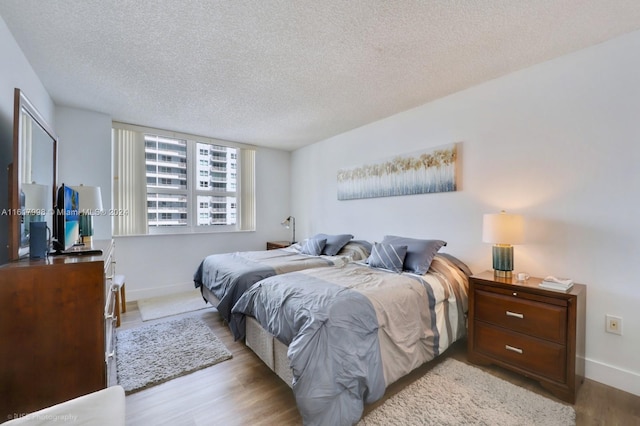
[286,73]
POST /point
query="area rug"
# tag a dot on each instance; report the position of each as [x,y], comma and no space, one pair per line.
[154,353]
[454,393]
[172,304]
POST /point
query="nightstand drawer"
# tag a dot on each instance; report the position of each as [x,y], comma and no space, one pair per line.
[544,358]
[542,320]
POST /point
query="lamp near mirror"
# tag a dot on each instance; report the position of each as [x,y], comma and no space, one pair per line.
[290,222]
[90,200]
[37,199]
[503,230]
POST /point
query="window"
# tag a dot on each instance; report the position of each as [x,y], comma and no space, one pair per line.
[166,183]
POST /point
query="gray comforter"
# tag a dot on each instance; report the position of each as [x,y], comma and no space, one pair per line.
[352,331]
[229,275]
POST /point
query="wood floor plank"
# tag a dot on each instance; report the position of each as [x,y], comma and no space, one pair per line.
[243,391]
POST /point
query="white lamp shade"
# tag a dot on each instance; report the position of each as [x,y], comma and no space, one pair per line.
[502,228]
[90,198]
[37,197]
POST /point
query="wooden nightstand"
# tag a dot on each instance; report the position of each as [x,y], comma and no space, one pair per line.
[272,245]
[530,330]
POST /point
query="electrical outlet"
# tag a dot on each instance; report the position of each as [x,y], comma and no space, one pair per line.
[613,324]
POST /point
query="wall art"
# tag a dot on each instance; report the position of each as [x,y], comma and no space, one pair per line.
[433,170]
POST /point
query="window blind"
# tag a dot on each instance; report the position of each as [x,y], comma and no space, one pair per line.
[129,183]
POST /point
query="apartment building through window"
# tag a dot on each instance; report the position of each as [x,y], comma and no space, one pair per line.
[189,184]
[167,163]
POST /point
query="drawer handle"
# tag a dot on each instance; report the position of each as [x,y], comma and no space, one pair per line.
[515,314]
[513,349]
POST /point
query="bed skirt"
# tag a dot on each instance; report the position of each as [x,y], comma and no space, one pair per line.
[269,349]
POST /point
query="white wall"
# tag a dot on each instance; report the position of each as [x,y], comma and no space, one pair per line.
[558,143]
[15,72]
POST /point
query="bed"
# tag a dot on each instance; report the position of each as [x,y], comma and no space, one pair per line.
[223,278]
[349,332]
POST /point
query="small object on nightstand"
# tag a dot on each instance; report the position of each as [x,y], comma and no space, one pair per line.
[273,245]
[559,284]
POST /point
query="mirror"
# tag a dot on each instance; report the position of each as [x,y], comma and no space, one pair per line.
[32,180]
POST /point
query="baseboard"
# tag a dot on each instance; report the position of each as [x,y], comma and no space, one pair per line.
[616,377]
[146,293]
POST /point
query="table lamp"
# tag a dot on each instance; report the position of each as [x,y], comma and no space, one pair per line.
[502,230]
[90,198]
[290,222]
[37,204]
[38,201]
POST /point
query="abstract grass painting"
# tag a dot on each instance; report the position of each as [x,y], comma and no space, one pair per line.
[434,170]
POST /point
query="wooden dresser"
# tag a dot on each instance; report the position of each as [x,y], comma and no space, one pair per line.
[530,330]
[54,329]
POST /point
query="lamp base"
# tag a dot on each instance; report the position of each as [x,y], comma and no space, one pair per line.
[86,229]
[502,274]
[502,260]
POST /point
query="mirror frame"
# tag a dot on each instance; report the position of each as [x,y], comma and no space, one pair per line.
[22,103]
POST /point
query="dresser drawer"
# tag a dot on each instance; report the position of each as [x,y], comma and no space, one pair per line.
[538,319]
[545,358]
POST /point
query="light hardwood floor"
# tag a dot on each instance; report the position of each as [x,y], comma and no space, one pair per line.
[243,391]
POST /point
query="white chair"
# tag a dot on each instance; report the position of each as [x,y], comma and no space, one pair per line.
[101,408]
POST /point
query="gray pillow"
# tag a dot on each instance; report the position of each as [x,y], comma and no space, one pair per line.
[420,253]
[387,256]
[313,246]
[334,242]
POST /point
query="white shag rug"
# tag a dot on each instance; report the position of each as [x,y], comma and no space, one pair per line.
[455,393]
[171,304]
[154,353]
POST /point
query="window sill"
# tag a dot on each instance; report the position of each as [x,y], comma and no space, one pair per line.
[176,234]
